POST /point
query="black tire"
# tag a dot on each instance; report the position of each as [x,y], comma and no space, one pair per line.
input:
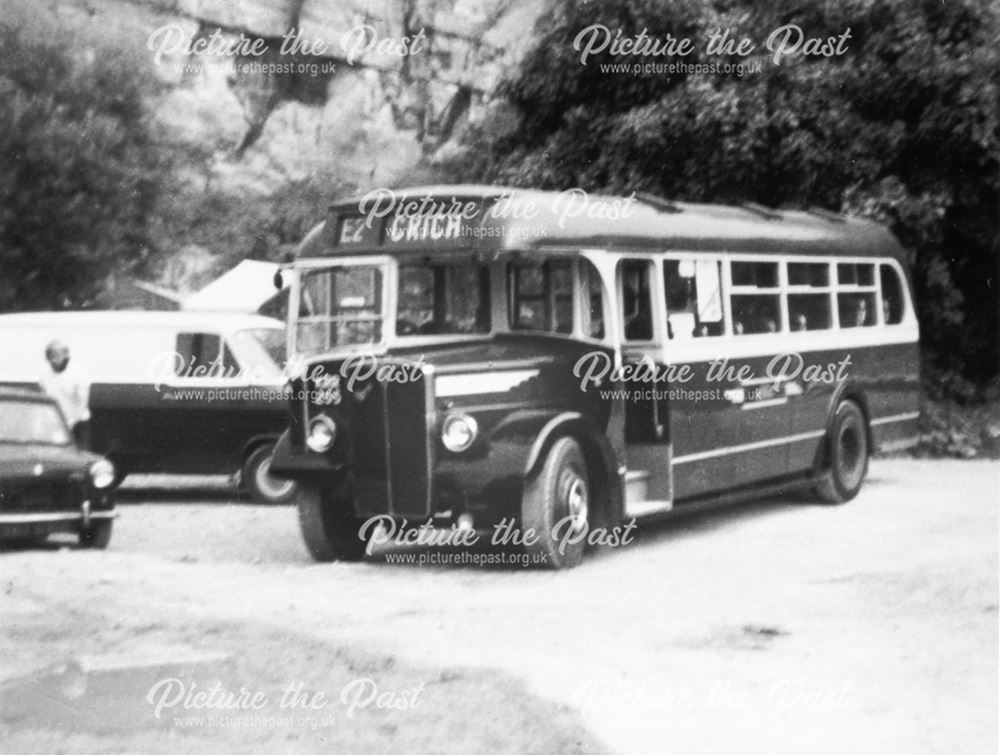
[846,455]
[328,525]
[262,486]
[97,534]
[23,541]
[560,492]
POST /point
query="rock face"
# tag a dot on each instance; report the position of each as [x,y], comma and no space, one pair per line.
[267,92]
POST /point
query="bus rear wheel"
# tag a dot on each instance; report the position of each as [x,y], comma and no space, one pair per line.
[847,455]
[556,505]
[329,527]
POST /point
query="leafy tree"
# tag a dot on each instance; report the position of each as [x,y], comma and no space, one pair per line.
[903,127]
[79,170]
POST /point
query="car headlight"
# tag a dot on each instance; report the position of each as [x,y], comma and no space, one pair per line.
[458,432]
[322,434]
[102,474]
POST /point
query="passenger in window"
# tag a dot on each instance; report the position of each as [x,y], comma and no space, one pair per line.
[737,327]
[800,322]
[768,326]
[861,313]
[887,310]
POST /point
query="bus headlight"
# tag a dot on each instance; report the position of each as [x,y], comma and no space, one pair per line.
[458,432]
[102,474]
[322,434]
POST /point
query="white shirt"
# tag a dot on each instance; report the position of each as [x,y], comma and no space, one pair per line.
[71,390]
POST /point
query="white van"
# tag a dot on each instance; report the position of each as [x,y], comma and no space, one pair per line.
[173,392]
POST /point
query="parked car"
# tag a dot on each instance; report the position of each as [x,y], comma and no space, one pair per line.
[171,392]
[47,484]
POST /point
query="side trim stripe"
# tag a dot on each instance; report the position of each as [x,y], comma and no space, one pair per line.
[895,418]
[725,451]
[481,383]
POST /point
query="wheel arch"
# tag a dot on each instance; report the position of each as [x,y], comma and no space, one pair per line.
[254,443]
[847,391]
[602,469]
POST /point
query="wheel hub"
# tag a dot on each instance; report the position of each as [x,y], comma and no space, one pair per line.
[576,502]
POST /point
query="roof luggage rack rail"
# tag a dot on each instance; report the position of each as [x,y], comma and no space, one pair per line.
[664,205]
[768,213]
[833,217]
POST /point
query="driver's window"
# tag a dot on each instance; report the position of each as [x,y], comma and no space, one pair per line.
[541,296]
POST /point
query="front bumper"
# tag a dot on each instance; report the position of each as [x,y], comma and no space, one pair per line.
[54,521]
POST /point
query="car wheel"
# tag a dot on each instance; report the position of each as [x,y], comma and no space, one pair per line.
[263,486]
[556,505]
[328,524]
[97,534]
[847,455]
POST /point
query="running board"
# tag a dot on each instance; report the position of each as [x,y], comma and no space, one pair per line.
[636,486]
[637,504]
[641,509]
[795,484]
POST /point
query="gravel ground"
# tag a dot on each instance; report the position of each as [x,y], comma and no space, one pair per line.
[775,627]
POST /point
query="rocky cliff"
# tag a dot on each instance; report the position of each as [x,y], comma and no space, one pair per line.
[276,106]
[275,90]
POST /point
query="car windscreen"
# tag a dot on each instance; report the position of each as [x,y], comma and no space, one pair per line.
[262,350]
[32,422]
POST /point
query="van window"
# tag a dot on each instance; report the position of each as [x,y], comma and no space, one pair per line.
[202,355]
[272,340]
[693,290]
[257,359]
[541,296]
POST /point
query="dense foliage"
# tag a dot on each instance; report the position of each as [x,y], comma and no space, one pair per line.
[902,127]
[79,169]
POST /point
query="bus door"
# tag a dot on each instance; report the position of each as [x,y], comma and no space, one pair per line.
[729,421]
[649,483]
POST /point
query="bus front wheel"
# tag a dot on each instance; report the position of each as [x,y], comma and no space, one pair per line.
[263,486]
[329,527]
[847,455]
[555,507]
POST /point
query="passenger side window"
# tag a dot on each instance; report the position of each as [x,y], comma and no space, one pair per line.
[755,297]
[892,295]
[693,291]
[203,355]
[541,296]
[809,306]
[637,307]
[856,295]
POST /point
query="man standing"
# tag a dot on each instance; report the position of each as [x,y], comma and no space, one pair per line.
[70,387]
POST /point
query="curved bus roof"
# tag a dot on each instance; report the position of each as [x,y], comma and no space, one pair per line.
[485,218]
